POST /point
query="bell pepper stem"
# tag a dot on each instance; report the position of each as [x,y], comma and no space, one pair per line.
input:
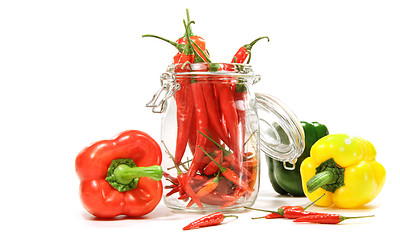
[125,174]
[320,179]
[328,176]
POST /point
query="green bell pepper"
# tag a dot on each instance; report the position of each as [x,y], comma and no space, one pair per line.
[285,181]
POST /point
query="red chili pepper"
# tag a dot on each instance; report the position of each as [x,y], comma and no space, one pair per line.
[326,218]
[209,220]
[206,188]
[212,167]
[228,109]
[230,175]
[238,193]
[273,215]
[227,154]
[245,51]
[290,212]
[213,112]
[184,183]
[184,113]
[252,162]
[202,124]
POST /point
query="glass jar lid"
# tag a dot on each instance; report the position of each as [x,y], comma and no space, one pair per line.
[281,133]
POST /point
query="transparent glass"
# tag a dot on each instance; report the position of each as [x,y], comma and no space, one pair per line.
[210,136]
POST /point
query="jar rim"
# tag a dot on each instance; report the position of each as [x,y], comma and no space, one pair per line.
[232,69]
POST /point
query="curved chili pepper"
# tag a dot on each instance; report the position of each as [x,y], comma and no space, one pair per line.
[326,218]
[209,220]
[245,51]
[206,188]
[184,183]
[290,212]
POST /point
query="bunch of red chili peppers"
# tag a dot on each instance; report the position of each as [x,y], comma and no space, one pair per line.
[210,124]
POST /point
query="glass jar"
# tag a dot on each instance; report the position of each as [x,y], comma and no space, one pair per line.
[210,135]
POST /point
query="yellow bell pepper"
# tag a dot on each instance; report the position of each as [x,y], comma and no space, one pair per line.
[344,168]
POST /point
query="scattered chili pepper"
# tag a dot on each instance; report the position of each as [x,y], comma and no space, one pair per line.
[209,220]
[326,218]
[290,212]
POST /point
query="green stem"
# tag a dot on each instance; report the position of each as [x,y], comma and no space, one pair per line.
[190,32]
[235,216]
[221,168]
[250,45]
[328,176]
[226,152]
[180,47]
[263,210]
[201,50]
[342,218]
[125,174]
[257,217]
[321,179]
[178,170]
[309,205]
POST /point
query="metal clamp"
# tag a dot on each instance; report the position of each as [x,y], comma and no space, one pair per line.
[158,102]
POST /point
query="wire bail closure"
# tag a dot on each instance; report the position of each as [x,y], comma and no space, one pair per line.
[158,103]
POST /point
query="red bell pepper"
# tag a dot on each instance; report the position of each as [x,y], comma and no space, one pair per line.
[120,176]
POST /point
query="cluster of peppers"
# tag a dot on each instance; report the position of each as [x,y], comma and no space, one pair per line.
[340,167]
[210,124]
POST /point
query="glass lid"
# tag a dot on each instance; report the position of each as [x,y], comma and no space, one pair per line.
[281,133]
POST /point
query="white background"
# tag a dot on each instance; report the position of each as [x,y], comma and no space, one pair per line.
[74,72]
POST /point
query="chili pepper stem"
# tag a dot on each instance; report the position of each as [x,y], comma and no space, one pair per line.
[178,46]
[258,217]
[222,169]
[189,30]
[178,170]
[309,205]
[342,218]
[250,45]
[262,210]
[216,144]
[234,216]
